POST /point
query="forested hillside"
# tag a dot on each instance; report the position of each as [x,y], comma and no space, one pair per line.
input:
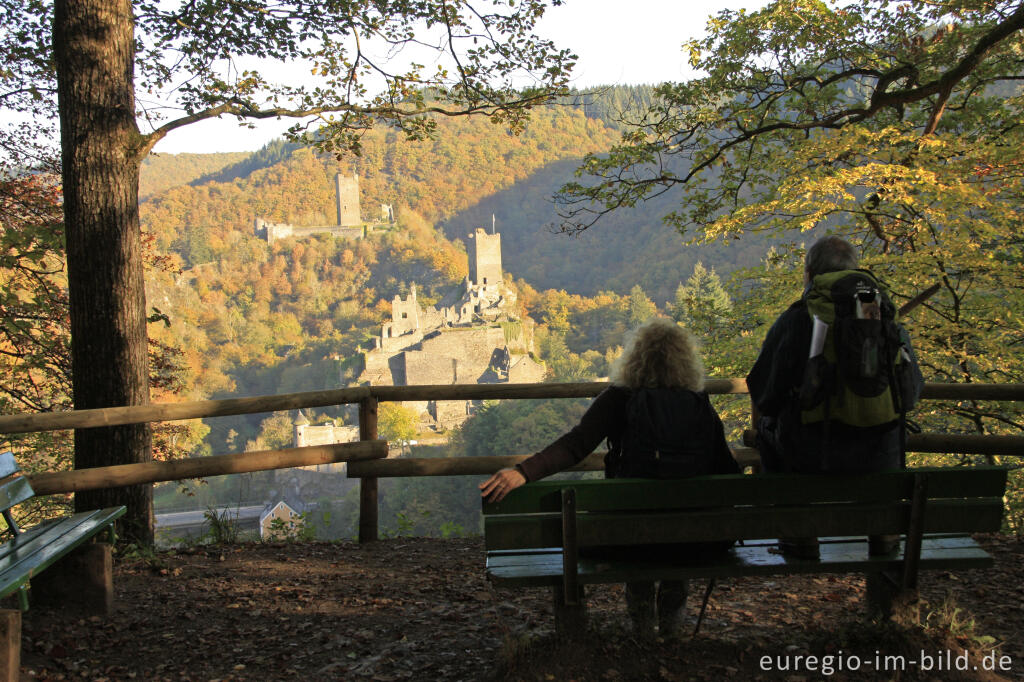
[457,182]
[467,162]
[254,318]
[291,316]
[162,171]
[629,247]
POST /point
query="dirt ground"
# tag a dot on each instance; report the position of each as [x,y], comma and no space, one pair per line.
[421,609]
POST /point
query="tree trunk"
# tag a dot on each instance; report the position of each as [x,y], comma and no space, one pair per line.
[94,50]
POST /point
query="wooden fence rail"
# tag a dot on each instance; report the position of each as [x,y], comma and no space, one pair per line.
[201,467]
[366,458]
[481,466]
[138,414]
[1003,446]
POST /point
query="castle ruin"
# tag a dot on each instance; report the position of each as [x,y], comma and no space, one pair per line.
[306,434]
[349,225]
[346,199]
[485,259]
[473,336]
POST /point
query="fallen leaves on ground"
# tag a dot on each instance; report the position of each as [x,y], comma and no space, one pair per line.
[421,609]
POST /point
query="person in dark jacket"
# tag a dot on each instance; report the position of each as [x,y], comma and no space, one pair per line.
[786,443]
[660,356]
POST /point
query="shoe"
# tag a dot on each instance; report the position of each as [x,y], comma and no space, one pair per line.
[882,545]
[670,625]
[800,547]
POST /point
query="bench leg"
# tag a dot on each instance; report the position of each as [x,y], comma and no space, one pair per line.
[83,579]
[880,592]
[10,651]
[570,620]
[888,600]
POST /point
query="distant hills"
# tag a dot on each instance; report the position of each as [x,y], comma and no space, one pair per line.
[471,171]
[258,318]
[164,171]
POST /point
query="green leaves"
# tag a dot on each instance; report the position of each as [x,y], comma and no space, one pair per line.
[789,73]
[397,424]
[897,125]
[396,62]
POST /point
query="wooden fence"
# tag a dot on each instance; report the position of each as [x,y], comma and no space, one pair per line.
[367,458]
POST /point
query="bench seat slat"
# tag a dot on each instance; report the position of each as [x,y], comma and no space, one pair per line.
[40,546]
[545,566]
[28,537]
[763,489]
[936,541]
[632,528]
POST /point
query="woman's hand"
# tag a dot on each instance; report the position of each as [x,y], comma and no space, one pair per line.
[495,488]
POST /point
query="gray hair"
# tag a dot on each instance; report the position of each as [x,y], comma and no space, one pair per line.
[830,254]
[660,354]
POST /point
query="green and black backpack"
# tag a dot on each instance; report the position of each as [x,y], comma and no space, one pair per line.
[861,376]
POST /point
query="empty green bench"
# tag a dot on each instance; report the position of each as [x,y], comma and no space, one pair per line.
[30,552]
[534,537]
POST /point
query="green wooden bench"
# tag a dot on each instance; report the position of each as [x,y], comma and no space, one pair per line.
[535,535]
[83,576]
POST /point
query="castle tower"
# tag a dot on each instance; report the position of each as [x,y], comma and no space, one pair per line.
[346,195]
[484,259]
[405,314]
[301,423]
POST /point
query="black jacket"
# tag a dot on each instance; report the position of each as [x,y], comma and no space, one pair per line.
[786,444]
[606,418]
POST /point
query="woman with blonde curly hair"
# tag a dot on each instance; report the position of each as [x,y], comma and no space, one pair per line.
[657,387]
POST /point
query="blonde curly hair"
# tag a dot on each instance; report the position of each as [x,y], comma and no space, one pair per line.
[660,354]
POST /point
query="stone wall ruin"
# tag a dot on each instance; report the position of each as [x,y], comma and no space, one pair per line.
[476,338]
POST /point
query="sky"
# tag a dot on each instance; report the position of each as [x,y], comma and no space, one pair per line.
[618,42]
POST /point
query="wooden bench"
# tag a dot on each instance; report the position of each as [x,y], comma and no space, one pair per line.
[534,536]
[84,576]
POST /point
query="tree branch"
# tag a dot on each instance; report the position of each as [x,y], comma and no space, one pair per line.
[238,108]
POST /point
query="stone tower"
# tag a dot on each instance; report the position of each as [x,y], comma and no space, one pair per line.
[484,259]
[405,314]
[347,199]
[300,425]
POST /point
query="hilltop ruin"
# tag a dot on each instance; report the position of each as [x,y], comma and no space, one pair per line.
[350,223]
[474,336]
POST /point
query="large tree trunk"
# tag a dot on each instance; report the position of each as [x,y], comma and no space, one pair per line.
[93,46]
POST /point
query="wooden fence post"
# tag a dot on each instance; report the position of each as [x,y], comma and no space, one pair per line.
[10,644]
[368,508]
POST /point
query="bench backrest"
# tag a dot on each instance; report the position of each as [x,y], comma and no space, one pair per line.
[640,511]
[14,488]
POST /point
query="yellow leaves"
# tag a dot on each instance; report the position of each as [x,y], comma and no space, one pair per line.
[693,53]
[24,295]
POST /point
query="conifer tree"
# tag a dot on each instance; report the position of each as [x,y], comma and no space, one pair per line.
[701,304]
[640,307]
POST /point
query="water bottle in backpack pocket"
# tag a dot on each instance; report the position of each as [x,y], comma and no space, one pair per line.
[851,381]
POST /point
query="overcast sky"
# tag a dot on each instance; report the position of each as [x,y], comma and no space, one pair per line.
[618,42]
